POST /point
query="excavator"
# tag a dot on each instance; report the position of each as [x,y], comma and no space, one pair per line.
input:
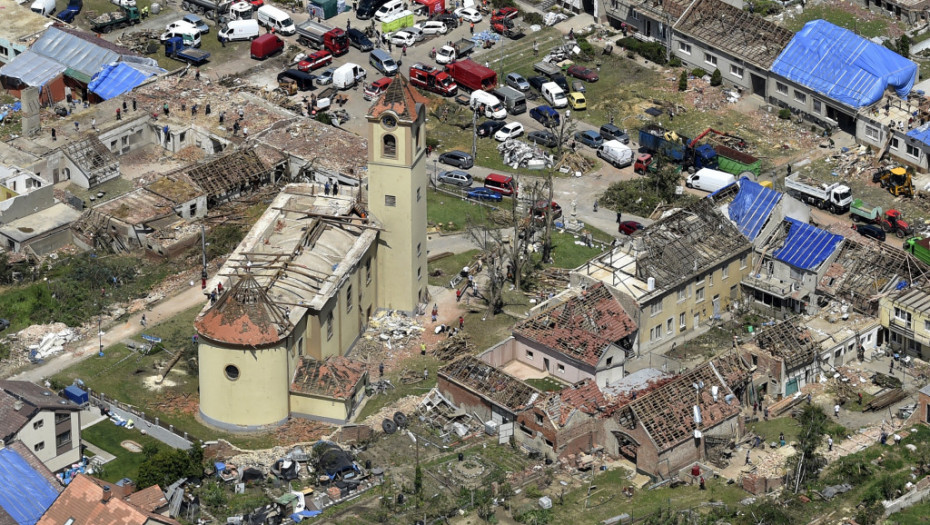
[897,180]
[730,140]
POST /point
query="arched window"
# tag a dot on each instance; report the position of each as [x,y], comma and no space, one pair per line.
[389,146]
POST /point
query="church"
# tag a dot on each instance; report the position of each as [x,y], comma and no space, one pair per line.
[298,291]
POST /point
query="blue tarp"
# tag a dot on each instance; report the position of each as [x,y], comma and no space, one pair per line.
[297,516]
[844,66]
[76,394]
[806,246]
[24,494]
[751,207]
[114,80]
[921,133]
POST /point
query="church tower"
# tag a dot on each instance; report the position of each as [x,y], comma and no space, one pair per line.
[397,185]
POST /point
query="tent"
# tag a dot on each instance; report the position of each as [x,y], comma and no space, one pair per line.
[329,8]
[432,6]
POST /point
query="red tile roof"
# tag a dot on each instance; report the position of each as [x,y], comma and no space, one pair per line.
[149,499]
[584,396]
[582,327]
[243,316]
[335,377]
[400,97]
[82,500]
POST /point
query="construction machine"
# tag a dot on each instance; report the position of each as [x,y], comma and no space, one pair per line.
[898,180]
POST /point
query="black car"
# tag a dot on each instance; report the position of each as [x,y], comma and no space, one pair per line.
[457,158]
[449,19]
[561,81]
[543,138]
[537,82]
[358,40]
[611,132]
[870,230]
[4,324]
[489,127]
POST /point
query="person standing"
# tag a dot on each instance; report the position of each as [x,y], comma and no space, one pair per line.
[461,322]
[206,110]
[860,398]
[748,462]
[93,123]
[535,48]
[435,312]
[829,444]
[381,370]
[836,410]
[143,321]
[166,109]
[619,217]
[54,134]
[471,28]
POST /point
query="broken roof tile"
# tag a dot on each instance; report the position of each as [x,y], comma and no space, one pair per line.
[244,315]
[335,377]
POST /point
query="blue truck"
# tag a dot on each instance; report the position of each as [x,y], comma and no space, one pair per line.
[175,48]
[69,13]
[656,139]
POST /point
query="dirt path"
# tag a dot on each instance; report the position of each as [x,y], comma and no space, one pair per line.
[170,306]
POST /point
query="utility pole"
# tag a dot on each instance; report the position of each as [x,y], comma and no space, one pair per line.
[203,249]
[474,133]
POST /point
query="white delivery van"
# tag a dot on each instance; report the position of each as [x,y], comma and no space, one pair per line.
[239,30]
[710,180]
[488,103]
[190,35]
[348,75]
[43,7]
[554,95]
[389,9]
[616,153]
[274,18]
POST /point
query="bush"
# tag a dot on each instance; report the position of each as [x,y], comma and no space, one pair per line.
[585,46]
[683,81]
[765,7]
[784,114]
[533,18]
[497,4]
[324,117]
[653,51]
[716,78]
[674,62]
[698,72]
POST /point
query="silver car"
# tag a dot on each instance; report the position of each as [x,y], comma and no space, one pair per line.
[516,81]
[456,178]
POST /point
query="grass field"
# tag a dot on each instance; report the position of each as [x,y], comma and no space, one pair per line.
[449,266]
[452,214]
[842,17]
[108,437]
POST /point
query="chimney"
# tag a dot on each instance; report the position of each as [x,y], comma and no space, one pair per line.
[106,494]
[18,405]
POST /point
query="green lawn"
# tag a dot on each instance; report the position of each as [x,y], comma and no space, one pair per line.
[449,266]
[108,436]
[567,254]
[452,213]
[842,17]
[546,384]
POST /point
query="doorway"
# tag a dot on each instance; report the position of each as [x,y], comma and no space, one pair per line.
[758,85]
[546,363]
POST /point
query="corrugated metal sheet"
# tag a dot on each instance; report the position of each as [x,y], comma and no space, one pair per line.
[83,58]
[32,69]
[806,246]
[752,206]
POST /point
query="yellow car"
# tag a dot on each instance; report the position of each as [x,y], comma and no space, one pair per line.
[576,101]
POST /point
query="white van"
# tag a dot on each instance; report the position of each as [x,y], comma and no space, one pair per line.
[348,75]
[239,30]
[389,9]
[492,107]
[43,7]
[710,180]
[190,35]
[274,18]
[554,95]
[616,153]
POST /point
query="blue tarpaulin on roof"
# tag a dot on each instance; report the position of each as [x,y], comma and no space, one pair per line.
[921,133]
[115,79]
[751,207]
[806,246]
[24,494]
[844,66]
[298,516]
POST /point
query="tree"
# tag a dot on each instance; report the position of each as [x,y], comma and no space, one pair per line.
[716,78]
[806,463]
[665,179]
[683,81]
[169,465]
[904,45]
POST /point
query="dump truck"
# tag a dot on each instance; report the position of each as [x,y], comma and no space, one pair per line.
[737,162]
[175,48]
[472,76]
[507,27]
[457,51]
[322,36]
[432,79]
[123,17]
[891,221]
[835,197]
[655,139]
[897,180]
[208,8]
[918,247]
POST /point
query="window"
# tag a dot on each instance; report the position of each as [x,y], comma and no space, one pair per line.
[736,71]
[913,152]
[419,248]
[38,424]
[681,294]
[818,107]
[368,270]
[699,295]
[561,368]
[681,321]
[634,15]
[539,419]
[710,59]
[192,211]
[743,261]
[610,361]
[799,96]
[726,272]
[390,201]
[529,355]
[63,439]
[871,132]
[684,47]
[182,136]
[668,326]
[710,279]
[418,194]
[232,372]
[62,416]
[656,333]
[927,326]
[39,446]
[4,51]
[902,315]
[329,326]
[781,88]
[349,298]
[655,308]
[419,273]
[895,143]
[389,146]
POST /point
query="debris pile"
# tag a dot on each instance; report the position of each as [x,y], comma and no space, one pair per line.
[575,163]
[519,154]
[437,411]
[40,342]
[139,41]
[394,329]
[451,348]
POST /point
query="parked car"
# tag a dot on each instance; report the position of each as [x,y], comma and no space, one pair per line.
[543,138]
[516,81]
[577,101]
[537,82]
[449,19]
[484,194]
[403,38]
[578,86]
[326,77]
[315,60]
[588,75]
[456,178]
[418,34]
[358,40]
[432,27]
[545,115]
[611,132]
[589,138]
[870,230]
[629,227]
[560,81]
[510,131]
[489,127]
[541,206]
[506,12]
[457,158]
[468,14]
[197,22]
[4,324]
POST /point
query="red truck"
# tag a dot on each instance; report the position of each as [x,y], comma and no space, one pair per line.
[433,79]
[321,36]
[472,76]
[315,60]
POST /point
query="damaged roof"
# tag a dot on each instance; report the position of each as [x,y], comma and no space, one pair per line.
[82,502]
[177,188]
[582,327]
[219,177]
[137,207]
[490,383]
[789,342]
[399,97]
[336,377]
[27,487]
[582,397]
[320,146]
[244,315]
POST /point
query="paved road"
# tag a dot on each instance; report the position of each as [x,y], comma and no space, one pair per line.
[159,433]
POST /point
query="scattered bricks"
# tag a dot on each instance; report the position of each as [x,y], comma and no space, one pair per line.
[804,499]
[333,492]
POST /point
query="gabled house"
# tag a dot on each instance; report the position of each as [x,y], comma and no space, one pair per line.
[477,387]
[27,487]
[46,423]
[905,316]
[90,500]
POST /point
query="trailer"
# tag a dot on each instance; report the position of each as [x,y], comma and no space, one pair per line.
[547,68]
[472,76]
[836,197]
[210,9]
[322,36]
[737,162]
[107,22]
[175,48]
[918,247]
[507,27]
[860,211]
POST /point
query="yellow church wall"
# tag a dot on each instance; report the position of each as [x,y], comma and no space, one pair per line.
[320,407]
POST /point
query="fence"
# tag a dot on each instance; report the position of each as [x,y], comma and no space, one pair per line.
[101,399]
